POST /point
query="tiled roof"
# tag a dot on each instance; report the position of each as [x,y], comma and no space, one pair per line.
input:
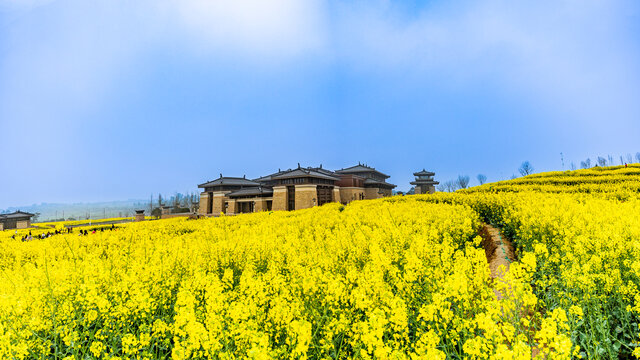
[358,169]
[251,191]
[306,172]
[423,173]
[380,183]
[227,180]
[268,177]
[424,182]
[15,215]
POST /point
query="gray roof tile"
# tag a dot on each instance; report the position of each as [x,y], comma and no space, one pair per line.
[359,168]
[227,180]
[251,191]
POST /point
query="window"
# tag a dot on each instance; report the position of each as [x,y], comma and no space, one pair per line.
[291,198]
[325,194]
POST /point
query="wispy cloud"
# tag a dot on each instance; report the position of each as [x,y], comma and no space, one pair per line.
[573,64]
[263,30]
[577,57]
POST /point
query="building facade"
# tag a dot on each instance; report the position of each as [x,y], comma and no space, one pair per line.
[292,189]
[16,220]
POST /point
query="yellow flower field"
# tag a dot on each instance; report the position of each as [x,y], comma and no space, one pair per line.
[395,278]
[80,222]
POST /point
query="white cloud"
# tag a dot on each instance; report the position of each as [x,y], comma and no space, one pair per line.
[577,57]
[262,30]
[574,57]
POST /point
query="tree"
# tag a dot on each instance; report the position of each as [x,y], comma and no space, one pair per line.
[463,181]
[450,186]
[602,161]
[526,168]
[573,166]
[610,160]
[585,164]
[481,178]
[629,158]
[176,200]
[621,160]
[638,157]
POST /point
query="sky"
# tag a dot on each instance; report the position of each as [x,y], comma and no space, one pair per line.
[109,100]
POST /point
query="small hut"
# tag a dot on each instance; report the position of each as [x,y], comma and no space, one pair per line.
[15,220]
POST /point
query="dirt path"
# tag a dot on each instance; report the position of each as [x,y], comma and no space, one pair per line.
[499,252]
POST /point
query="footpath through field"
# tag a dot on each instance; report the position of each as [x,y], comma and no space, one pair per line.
[499,252]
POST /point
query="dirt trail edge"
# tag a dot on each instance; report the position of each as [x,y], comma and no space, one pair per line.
[499,252]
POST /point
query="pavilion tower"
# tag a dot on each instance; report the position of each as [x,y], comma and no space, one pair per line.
[424,183]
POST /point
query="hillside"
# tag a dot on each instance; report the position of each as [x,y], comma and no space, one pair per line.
[404,277]
[611,179]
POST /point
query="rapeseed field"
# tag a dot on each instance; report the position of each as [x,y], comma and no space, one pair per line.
[394,278]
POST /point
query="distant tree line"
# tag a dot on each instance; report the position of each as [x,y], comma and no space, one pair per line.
[179,202]
[608,161]
[462,182]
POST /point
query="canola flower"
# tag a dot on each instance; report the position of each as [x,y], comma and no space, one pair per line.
[80,222]
[395,278]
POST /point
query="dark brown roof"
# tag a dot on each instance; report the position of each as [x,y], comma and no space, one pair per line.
[227,180]
[16,215]
[306,172]
[424,182]
[373,182]
[359,169]
[268,177]
[251,191]
[282,172]
[424,173]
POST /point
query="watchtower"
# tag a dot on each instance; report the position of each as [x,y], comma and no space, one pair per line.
[424,183]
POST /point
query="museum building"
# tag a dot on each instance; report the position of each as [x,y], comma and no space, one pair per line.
[292,189]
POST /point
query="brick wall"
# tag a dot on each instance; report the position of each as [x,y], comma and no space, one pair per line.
[372,193]
[23,224]
[204,203]
[337,196]
[279,198]
[231,208]
[260,205]
[169,216]
[219,199]
[305,195]
[348,194]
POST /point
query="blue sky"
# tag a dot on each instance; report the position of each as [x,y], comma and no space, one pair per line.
[107,100]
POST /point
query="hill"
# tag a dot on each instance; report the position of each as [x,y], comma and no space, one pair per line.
[403,277]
